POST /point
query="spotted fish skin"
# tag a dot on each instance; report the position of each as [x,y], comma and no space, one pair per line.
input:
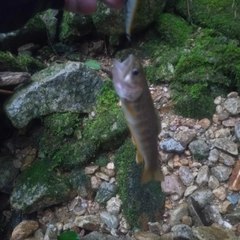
[132,88]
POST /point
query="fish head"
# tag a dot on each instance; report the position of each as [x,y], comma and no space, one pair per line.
[128,78]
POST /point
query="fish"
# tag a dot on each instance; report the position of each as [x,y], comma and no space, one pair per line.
[130,11]
[132,88]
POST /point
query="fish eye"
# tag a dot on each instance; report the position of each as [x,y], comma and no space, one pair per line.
[135,72]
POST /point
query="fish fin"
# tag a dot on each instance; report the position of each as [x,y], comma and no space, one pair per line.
[139,157]
[152,174]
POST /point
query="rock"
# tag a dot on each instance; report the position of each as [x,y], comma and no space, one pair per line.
[220,193]
[190,190]
[184,135]
[187,220]
[171,145]
[177,214]
[146,236]
[8,173]
[205,123]
[213,156]
[102,176]
[108,172]
[114,205]
[213,182]
[172,184]
[109,219]
[237,129]
[105,192]
[51,233]
[213,233]
[226,159]
[222,133]
[168,236]
[226,145]
[232,95]
[234,198]
[186,175]
[37,188]
[212,214]
[182,231]
[54,89]
[199,149]
[110,166]
[91,169]
[226,207]
[223,116]
[203,196]
[24,230]
[95,182]
[203,176]
[88,222]
[218,100]
[232,105]
[229,122]
[233,217]
[222,173]
[99,236]
[234,181]
[155,227]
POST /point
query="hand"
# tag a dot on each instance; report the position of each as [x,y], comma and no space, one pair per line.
[89,6]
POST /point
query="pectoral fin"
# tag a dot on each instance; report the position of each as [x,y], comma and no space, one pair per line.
[152,174]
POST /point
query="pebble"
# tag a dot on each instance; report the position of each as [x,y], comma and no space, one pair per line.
[182,231]
[190,190]
[226,159]
[102,176]
[24,230]
[51,233]
[110,166]
[203,176]
[114,205]
[187,220]
[171,145]
[95,182]
[213,182]
[184,135]
[109,219]
[205,123]
[186,175]
[237,129]
[177,214]
[220,193]
[234,181]
[172,184]
[226,207]
[146,236]
[222,173]
[199,149]
[203,196]
[213,156]
[226,145]
[91,169]
[88,222]
[105,192]
[218,100]
[232,105]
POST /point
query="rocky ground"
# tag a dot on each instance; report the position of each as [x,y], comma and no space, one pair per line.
[201,167]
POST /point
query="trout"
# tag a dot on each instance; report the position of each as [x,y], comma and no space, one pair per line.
[132,88]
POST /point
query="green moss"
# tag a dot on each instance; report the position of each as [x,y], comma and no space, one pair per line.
[30,64]
[35,24]
[220,15]
[9,63]
[141,203]
[173,30]
[38,186]
[62,124]
[107,131]
[102,161]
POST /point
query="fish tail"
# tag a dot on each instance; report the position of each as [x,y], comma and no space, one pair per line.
[152,174]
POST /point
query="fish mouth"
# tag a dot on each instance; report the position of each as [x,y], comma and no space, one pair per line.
[122,79]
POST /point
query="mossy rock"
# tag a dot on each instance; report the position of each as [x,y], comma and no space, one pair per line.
[9,63]
[39,186]
[174,30]
[107,131]
[220,15]
[141,203]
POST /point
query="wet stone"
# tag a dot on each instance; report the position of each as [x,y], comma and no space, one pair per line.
[222,173]
[177,214]
[226,145]
[226,159]
[182,231]
[203,176]
[172,184]
[105,192]
[171,145]
[186,175]
[213,182]
[109,219]
[199,149]
[232,105]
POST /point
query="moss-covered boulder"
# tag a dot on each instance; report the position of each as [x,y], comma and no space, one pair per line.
[40,186]
[112,22]
[9,63]
[74,26]
[221,15]
[70,140]
[141,203]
